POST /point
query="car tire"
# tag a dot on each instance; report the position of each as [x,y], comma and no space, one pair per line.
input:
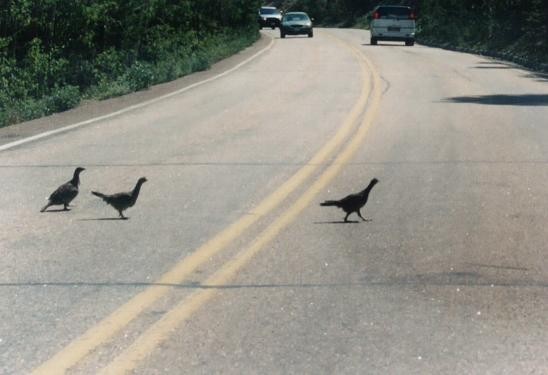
[373,41]
[310,34]
[273,27]
[282,35]
[409,42]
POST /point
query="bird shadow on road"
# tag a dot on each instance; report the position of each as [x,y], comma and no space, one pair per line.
[337,222]
[500,267]
[56,210]
[105,219]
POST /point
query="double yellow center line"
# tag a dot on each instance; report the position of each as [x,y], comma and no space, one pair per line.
[101,333]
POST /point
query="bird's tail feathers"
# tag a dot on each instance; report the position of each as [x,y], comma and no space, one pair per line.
[330,203]
[100,195]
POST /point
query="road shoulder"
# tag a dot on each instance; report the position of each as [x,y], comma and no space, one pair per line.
[90,109]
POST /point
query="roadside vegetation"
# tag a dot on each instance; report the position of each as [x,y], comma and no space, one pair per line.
[54,53]
[515,30]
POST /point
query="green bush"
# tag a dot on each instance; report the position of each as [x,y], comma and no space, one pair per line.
[485,27]
[55,52]
[108,89]
[139,76]
[109,64]
[61,99]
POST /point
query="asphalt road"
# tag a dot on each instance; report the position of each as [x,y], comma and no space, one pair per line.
[229,265]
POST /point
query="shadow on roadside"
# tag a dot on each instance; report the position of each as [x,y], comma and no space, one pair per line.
[499,99]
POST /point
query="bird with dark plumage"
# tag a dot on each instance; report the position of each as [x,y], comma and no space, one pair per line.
[353,202]
[65,193]
[122,201]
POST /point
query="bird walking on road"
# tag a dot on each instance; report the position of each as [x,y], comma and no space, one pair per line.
[65,193]
[353,202]
[122,201]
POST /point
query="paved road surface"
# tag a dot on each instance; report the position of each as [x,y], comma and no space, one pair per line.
[229,265]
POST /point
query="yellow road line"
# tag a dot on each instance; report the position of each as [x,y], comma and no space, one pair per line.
[161,330]
[103,331]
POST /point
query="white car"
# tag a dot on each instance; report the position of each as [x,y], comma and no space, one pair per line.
[269,17]
[393,23]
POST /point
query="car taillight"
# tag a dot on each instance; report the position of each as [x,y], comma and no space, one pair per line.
[412,16]
[376,15]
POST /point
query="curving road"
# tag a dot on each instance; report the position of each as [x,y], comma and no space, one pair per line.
[229,265]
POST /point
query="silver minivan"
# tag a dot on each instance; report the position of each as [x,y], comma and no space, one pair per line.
[393,23]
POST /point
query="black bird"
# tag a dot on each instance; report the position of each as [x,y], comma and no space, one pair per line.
[353,202]
[122,201]
[66,192]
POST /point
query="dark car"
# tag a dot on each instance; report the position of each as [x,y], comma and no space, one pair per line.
[269,17]
[296,23]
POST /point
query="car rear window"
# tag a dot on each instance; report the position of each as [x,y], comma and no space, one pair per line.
[269,11]
[296,17]
[394,12]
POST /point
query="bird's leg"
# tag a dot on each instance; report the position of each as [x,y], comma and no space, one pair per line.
[65,208]
[122,215]
[360,215]
[346,217]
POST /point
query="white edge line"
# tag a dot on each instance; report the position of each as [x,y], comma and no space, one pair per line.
[33,138]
